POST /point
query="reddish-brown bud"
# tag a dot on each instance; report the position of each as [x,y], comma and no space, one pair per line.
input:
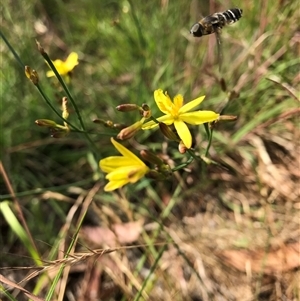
[227,117]
[182,148]
[151,157]
[119,126]
[127,107]
[166,130]
[130,131]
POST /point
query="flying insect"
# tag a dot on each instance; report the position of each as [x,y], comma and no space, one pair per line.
[214,24]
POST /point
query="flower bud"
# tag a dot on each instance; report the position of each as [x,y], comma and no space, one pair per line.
[127,107]
[146,111]
[151,157]
[147,114]
[160,175]
[28,71]
[227,117]
[165,170]
[166,130]
[107,123]
[35,77]
[59,132]
[46,123]
[145,107]
[119,126]
[65,112]
[130,131]
[182,148]
[154,174]
[32,75]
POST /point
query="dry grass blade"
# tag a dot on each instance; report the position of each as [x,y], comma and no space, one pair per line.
[75,258]
[16,286]
[285,86]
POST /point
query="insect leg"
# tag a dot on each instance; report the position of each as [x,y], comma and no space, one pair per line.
[219,46]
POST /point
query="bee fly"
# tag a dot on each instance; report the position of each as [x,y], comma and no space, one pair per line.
[214,23]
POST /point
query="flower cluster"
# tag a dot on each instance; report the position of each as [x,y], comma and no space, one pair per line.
[173,124]
[129,168]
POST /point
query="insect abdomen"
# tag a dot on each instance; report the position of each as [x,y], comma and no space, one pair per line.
[232,15]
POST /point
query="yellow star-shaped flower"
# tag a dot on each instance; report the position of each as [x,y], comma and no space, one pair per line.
[179,114]
[64,67]
[122,170]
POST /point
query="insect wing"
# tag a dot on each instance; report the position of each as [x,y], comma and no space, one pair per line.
[211,19]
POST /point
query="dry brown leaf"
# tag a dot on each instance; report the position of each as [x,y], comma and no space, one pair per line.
[284,259]
[120,233]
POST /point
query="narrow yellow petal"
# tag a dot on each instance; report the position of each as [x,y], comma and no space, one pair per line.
[178,101]
[120,173]
[57,63]
[149,125]
[109,164]
[184,133]
[60,67]
[125,152]
[113,185]
[71,61]
[199,117]
[50,73]
[191,105]
[131,173]
[167,119]
[163,101]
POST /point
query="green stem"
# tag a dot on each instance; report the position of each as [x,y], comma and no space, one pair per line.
[46,57]
[12,50]
[153,267]
[55,111]
[183,165]
[60,79]
[209,143]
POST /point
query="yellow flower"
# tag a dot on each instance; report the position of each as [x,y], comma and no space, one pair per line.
[122,170]
[179,114]
[63,68]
